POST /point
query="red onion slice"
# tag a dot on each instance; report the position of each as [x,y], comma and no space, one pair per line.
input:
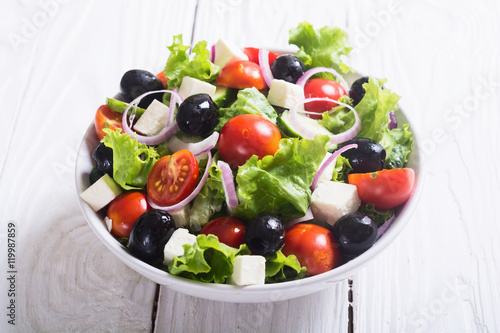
[334,138]
[190,197]
[212,53]
[228,185]
[197,148]
[329,160]
[383,228]
[393,123]
[303,79]
[267,74]
[164,134]
[172,105]
[307,217]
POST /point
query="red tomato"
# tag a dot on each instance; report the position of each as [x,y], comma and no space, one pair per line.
[253,55]
[229,230]
[247,135]
[106,118]
[314,246]
[322,88]
[124,210]
[173,178]
[241,74]
[163,79]
[385,189]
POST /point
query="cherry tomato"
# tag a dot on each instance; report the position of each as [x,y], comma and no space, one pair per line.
[106,118]
[253,55]
[314,246]
[124,210]
[163,79]
[241,74]
[322,88]
[247,135]
[385,189]
[229,230]
[173,178]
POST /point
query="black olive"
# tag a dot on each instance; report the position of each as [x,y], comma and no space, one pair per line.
[368,157]
[103,156]
[94,175]
[288,67]
[355,233]
[357,92]
[197,115]
[265,234]
[137,82]
[149,234]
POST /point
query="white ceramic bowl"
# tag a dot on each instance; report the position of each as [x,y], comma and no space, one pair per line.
[249,294]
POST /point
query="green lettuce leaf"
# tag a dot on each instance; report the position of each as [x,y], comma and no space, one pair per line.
[321,48]
[374,109]
[132,160]
[378,216]
[398,144]
[207,260]
[209,201]
[249,101]
[341,170]
[340,118]
[282,268]
[280,184]
[178,63]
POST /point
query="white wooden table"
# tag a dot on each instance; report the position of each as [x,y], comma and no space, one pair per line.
[60,59]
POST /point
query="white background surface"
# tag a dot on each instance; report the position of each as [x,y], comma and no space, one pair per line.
[59,62]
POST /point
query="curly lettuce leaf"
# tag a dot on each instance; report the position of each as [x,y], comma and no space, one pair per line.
[321,48]
[341,170]
[340,118]
[249,101]
[132,160]
[378,216]
[374,109]
[178,64]
[280,184]
[398,144]
[281,268]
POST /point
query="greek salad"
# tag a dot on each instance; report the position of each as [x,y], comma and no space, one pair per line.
[245,166]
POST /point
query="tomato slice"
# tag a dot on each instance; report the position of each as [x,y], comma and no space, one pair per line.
[124,210]
[241,74]
[322,88]
[253,55]
[163,79]
[106,118]
[173,178]
[385,189]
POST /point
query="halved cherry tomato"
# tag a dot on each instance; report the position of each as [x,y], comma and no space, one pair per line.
[241,74]
[163,79]
[229,230]
[106,118]
[322,88]
[173,178]
[124,210]
[385,189]
[314,246]
[253,55]
[247,135]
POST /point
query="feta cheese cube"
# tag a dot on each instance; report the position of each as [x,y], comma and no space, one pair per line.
[101,193]
[180,216]
[153,120]
[226,52]
[191,86]
[285,94]
[174,245]
[248,270]
[332,200]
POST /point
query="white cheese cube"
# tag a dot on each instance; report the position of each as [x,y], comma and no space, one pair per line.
[101,193]
[226,52]
[153,120]
[248,270]
[180,216]
[285,94]
[332,200]
[191,86]
[174,245]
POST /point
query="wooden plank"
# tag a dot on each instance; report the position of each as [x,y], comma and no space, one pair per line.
[438,275]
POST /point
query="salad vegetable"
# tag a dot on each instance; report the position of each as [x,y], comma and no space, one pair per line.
[264,166]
